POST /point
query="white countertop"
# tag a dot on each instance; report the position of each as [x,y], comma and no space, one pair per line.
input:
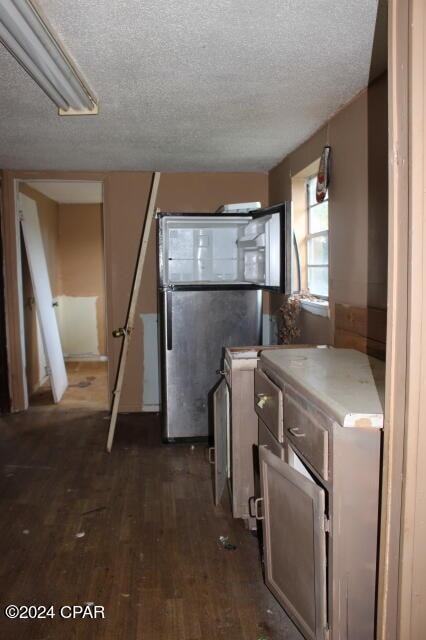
[347,384]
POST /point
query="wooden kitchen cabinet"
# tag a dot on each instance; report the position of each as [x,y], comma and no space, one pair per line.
[235,426]
[235,430]
[320,422]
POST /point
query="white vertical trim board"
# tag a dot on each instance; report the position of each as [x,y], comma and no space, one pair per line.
[20,287]
[151,368]
[269,329]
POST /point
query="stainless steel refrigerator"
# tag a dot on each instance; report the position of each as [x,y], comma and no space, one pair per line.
[212,270]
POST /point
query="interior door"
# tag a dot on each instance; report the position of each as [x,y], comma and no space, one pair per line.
[294,543]
[221,438]
[43,296]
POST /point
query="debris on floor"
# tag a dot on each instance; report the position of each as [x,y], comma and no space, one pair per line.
[226,544]
[80,534]
[25,532]
[86,513]
[27,466]
[81,385]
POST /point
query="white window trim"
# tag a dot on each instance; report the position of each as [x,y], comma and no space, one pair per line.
[318,307]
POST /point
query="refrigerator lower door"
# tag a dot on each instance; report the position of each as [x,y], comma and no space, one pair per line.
[195,327]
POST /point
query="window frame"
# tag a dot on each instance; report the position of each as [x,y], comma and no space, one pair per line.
[317,234]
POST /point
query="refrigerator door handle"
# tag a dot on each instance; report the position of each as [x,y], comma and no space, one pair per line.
[169,320]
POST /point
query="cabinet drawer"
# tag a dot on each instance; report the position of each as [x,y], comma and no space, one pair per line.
[266,438]
[268,403]
[307,429]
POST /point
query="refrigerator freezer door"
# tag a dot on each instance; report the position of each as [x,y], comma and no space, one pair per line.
[267,248]
[195,327]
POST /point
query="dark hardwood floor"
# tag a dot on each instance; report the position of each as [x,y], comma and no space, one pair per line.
[150,553]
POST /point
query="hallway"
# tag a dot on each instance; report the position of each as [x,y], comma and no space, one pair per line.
[134,531]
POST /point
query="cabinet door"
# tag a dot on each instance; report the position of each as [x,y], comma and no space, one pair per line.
[294,543]
[221,438]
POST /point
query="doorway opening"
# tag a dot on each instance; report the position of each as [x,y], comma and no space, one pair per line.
[62,249]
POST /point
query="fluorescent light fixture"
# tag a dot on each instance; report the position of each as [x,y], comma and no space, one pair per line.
[25,34]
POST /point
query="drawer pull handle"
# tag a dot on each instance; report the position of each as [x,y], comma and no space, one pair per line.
[211,455]
[295,432]
[262,399]
[256,509]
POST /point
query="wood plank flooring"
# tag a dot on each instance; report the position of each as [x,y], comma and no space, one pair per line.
[150,553]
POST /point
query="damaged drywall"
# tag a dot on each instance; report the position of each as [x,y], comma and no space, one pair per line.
[77,320]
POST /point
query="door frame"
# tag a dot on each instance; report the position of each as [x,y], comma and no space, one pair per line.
[12,271]
[402,567]
[4,368]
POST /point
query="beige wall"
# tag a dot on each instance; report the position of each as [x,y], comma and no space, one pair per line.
[357,205]
[358,200]
[378,194]
[81,255]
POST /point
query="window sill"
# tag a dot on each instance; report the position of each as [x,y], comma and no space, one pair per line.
[316,307]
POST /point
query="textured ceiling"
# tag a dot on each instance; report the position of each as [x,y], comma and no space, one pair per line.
[207,85]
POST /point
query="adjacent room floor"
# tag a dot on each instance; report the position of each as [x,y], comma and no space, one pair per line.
[134,531]
[87,387]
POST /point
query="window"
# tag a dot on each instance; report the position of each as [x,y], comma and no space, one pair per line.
[316,241]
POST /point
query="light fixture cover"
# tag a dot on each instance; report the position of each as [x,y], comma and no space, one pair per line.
[30,40]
